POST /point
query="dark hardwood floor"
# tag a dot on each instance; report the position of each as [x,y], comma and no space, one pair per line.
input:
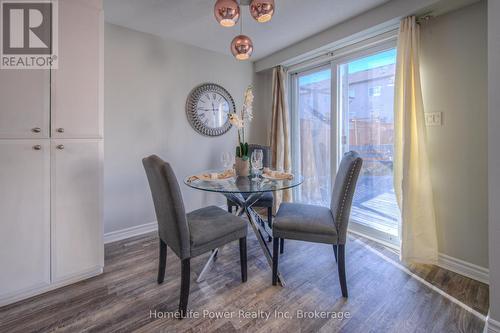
[382,298]
[468,291]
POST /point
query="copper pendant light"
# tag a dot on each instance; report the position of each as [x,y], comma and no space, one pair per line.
[262,10]
[242,47]
[227,12]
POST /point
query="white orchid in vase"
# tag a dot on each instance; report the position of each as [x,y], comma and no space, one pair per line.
[240,121]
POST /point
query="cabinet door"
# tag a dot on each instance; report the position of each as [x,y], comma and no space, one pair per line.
[25,104]
[77,232]
[24,216]
[77,83]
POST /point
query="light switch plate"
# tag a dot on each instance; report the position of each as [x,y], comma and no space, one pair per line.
[433,119]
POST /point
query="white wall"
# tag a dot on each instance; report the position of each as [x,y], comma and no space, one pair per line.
[454,82]
[494,160]
[147,81]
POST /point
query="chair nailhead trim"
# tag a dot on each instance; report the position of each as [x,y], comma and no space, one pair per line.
[341,213]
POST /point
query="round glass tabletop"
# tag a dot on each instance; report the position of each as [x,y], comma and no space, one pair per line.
[244,184]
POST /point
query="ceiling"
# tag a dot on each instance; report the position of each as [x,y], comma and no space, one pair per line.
[193,22]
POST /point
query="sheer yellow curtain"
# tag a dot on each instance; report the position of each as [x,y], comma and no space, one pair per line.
[411,164]
[280,133]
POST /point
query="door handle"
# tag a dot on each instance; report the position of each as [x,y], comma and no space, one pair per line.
[60,130]
[36,130]
[37,147]
[60,147]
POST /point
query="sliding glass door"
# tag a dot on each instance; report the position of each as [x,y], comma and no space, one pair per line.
[365,95]
[349,105]
[312,134]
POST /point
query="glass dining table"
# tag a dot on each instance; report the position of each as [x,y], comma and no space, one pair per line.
[245,192]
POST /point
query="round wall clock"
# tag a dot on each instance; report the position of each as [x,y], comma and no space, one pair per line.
[208,107]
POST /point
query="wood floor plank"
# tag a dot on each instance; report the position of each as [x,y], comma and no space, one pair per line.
[382,297]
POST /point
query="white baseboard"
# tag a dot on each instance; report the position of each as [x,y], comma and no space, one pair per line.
[459,266]
[43,288]
[492,326]
[138,230]
[464,268]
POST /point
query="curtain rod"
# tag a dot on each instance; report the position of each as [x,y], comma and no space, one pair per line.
[420,19]
[424,18]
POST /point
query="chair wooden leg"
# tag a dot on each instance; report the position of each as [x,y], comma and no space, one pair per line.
[282,245]
[185,280]
[276,246]
[335,252]
[341,267]
[270,221]
[243,258]
[270,217]
[162,261]
[229,208]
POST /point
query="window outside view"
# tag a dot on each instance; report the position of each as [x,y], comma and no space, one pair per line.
[366,102]
[314,100]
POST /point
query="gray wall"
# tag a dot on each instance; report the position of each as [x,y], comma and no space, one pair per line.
[454,81]
[263,103]
[147,80]
[494,157]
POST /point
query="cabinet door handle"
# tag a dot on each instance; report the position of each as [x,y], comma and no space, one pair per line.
[60,130]
[60,147]
[37,147]
[36,130]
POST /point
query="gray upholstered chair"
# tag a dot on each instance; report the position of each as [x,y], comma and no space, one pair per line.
[267,199]
[192,234]
[320,224]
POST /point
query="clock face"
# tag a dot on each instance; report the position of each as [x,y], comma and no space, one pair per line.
[212,109]
[208,107]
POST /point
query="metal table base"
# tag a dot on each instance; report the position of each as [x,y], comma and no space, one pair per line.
[257,224]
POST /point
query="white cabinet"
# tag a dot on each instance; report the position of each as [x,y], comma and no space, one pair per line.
[24,103]
[77,232]
[51,231]
[76,84]
[24,216]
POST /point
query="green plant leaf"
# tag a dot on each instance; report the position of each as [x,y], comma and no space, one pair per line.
[242,150]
